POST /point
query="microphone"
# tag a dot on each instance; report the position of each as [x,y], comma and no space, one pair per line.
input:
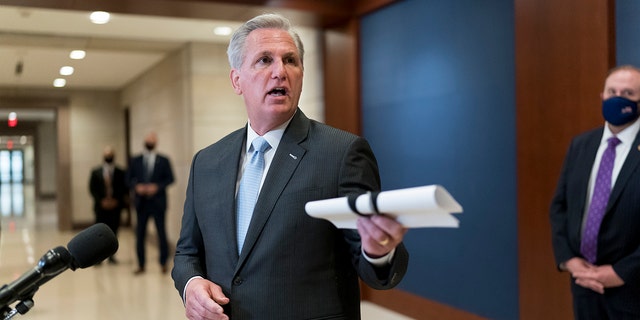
[86,249]
[91,246]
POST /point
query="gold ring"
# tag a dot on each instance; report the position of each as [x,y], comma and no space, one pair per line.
[384,242]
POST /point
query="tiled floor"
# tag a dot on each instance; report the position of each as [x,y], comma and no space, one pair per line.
[99,292]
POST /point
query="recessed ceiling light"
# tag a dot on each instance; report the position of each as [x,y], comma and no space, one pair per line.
[100,17]
[77,54]
[222,31]
[66,70]
[59,83]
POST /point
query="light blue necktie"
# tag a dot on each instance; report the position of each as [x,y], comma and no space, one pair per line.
[249,187]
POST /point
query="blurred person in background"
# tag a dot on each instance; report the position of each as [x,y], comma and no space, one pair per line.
[109,191]
[149,176]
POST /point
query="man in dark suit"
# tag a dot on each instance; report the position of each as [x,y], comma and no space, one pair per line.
[149,176]
[289,266]
[108,189]
[602,251]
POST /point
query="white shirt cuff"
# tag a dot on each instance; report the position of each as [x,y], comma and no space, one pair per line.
[379,262]
[184,291]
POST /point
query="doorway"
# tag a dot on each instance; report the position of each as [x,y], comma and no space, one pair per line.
[16,176]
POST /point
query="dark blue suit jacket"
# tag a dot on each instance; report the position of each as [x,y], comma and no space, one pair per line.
[292,266]
[162,176]
[619,237]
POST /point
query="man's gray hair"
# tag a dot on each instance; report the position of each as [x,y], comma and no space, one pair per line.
[236,49]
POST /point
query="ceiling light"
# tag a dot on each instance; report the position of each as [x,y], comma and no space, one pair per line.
[59,83]
[77,54]
[100,17]
[66,71]
[222,31]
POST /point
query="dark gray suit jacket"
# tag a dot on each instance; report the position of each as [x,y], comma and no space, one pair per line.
[619,236]
[292,266]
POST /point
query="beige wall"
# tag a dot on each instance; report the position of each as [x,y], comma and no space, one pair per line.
[159,101]
[46,136]
[95,121]
[312,99]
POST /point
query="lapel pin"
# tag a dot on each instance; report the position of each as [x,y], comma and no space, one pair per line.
[639,147]
[296,158]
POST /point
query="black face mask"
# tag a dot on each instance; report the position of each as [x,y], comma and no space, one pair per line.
[108,159]
[149,146]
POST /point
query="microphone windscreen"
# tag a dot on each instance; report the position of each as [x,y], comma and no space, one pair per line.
[92,245]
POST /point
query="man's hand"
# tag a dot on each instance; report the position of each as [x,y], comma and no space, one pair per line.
[379,234]
[593,277]
[204,300]
[146,189]
[598,278]
[152,189]
[141,189]
[108,203]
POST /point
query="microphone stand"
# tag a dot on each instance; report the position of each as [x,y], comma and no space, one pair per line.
[25,304]
[23,307]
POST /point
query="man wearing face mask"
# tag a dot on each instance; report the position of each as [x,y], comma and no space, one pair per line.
[108,189]
[595,212]
[149,175]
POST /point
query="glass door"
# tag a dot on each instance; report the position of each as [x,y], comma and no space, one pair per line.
[11,182]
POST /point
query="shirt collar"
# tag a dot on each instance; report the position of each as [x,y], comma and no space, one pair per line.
[273,136]
[626,136]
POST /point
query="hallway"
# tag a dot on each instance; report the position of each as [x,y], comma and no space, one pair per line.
[101,292]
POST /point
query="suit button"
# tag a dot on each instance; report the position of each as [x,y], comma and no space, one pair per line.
[237,281]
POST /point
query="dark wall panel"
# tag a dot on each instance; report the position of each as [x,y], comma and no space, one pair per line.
[438,106]
[563,50]
[627,45]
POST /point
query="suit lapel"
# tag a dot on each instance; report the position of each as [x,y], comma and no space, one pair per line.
[285,161]
[583,172]
[227,181]
[629,166]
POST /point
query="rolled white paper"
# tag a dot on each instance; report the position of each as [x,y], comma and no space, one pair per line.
[417,207]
